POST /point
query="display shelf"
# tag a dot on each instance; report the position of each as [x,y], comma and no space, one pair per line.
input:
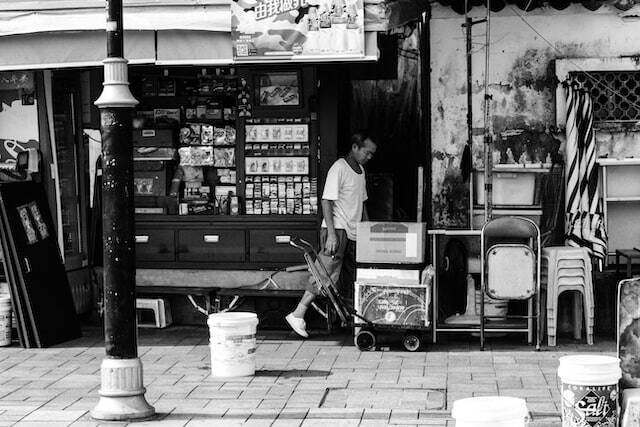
[623,199]
[211,179]
[620,195]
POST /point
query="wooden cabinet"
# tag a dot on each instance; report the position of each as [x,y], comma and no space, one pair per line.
[155,245]
[241,242]
[211,245]
[273,245]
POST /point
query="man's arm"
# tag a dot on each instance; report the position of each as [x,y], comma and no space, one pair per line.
[331,245]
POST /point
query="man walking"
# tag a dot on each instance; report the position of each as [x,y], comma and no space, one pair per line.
[343,207]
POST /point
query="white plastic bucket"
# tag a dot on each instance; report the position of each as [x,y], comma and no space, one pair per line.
[490,411]
[5,320]
[589,390]
[233,343]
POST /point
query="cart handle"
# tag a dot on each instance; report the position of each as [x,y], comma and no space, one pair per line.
[301,244]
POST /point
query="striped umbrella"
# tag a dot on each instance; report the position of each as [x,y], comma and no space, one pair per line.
[584,221]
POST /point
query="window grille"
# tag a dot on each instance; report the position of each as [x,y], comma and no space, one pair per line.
[615,94]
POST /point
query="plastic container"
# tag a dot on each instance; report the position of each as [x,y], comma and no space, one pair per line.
[589,390]
[492,307]
[509,188]
[5,320]
[233,343]
[490,411]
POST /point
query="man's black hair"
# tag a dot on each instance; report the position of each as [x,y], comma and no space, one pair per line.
[359,137]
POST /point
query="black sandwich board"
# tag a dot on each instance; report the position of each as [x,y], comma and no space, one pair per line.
[39,287]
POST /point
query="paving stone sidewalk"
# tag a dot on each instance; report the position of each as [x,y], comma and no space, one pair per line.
[323,381]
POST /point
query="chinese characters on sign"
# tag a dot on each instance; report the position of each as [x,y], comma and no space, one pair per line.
[297,29]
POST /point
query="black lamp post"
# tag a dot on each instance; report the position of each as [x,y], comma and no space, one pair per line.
[122,390]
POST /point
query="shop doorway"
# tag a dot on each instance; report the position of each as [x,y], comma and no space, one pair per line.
[71,159]
[384,98]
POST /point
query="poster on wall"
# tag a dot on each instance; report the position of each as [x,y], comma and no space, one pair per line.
[297,29]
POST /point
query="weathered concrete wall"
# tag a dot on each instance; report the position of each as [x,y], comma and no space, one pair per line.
[522,83]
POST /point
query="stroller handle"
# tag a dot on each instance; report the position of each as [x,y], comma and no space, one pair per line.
[301,244]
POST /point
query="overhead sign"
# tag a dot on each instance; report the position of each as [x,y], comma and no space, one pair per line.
[297,29]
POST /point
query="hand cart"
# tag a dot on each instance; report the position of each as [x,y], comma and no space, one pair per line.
[367,332]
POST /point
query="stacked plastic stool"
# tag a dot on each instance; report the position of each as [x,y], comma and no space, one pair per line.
[566,268]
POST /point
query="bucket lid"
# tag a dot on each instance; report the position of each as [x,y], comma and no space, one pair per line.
[232,319]
[489,408]
[589,369]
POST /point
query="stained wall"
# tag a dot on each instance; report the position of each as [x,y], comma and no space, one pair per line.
[522,84]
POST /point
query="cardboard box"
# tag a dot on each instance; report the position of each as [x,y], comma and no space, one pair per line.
[391,242]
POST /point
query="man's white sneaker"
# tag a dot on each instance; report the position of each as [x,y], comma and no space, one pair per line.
[298,325]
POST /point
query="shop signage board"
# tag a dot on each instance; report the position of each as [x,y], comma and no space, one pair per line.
[297,30]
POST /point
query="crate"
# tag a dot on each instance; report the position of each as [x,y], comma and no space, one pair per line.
[509,188]
[153,313]
[389,304]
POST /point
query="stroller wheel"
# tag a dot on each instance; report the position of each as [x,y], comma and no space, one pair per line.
[365,340]
[411,342]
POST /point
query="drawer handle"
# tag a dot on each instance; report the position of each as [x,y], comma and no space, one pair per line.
[283,239]
[211,238]
[142,238]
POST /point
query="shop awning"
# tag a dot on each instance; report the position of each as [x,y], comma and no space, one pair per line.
[69,33]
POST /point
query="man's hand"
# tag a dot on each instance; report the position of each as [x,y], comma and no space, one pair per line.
[331,245]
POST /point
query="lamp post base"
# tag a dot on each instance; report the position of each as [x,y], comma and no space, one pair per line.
[122,392]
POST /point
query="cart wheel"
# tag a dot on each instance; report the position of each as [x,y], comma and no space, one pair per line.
[365,340]
[411,342]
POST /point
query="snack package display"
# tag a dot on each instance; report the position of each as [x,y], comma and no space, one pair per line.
[196,156]
[190,134]
[224,157]
[219,136]
[207,134]
[230,135]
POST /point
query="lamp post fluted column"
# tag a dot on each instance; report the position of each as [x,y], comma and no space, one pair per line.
[122,390]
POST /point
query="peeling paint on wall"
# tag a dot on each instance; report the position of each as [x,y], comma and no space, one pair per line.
[522,84]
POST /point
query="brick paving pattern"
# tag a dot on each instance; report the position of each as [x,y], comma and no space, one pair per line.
[323,381]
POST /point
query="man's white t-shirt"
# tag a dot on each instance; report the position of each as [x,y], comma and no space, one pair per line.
[348,191]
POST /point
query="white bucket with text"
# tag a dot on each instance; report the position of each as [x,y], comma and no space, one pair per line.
[589,390]
[490,411]
[233,343]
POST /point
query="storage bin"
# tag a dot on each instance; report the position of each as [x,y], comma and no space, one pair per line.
[509,188]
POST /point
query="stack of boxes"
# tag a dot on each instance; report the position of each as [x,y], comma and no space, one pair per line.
[392,285]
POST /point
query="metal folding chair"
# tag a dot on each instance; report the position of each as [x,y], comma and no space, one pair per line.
[510,258]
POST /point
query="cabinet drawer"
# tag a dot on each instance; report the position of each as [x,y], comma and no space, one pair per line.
[273,245]
[155,245]
[211,245]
